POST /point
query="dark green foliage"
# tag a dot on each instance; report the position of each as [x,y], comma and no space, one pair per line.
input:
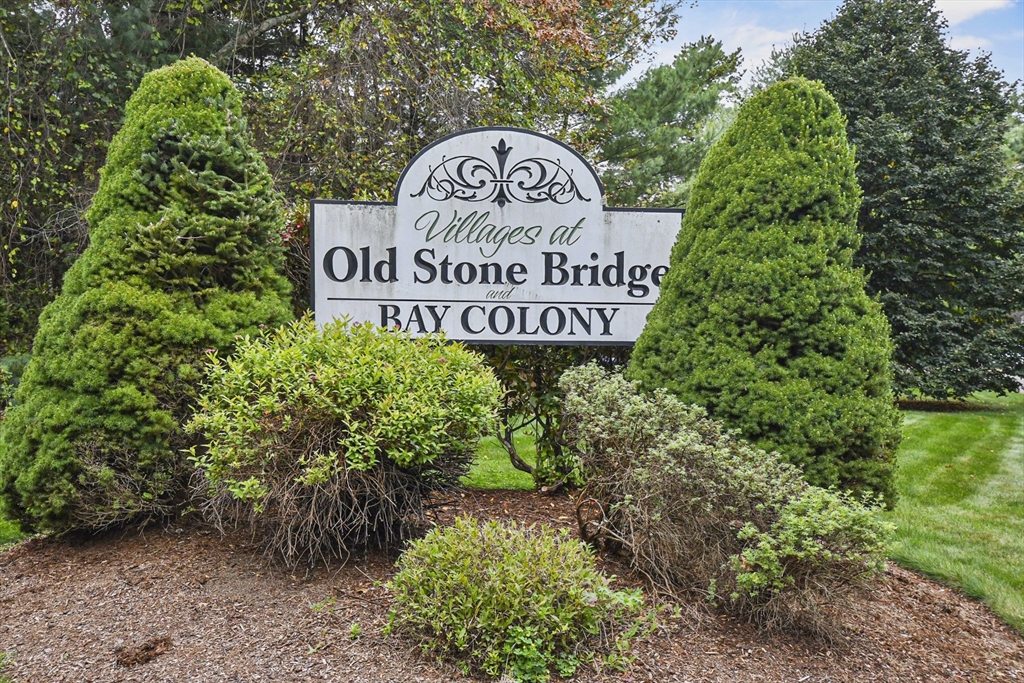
[6,389]
[762,318]
[941,239]
[325,440]
[509,601]
[11,370]
[183,256]
[1013,141]
[1013,155]
[16,365]
[660,127]
[703,513]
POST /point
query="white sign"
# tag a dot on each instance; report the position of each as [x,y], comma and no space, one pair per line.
[497,235]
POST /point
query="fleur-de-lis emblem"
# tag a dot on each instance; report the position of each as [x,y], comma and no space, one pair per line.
[473,179]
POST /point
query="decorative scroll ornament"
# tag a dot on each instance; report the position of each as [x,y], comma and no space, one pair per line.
[529,181]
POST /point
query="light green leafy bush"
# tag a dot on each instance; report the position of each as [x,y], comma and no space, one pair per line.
[763,318]
[702,512]
[324,439]
[508,600]
[184,254]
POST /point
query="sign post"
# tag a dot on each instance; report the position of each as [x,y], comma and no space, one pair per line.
[498,236]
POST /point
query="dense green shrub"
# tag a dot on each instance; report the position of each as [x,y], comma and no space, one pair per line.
[6,389]
[323,440]
[762,318]
[702,512]
[507,600]
[183,256]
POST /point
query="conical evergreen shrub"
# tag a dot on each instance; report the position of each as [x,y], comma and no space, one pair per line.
[184,255]
[762,317]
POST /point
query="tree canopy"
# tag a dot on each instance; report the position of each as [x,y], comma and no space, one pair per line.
[376,82]
[942,229]
[659,127]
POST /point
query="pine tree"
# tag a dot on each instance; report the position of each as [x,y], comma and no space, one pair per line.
[762,317]
[184,255]
[941,236]
[661,126]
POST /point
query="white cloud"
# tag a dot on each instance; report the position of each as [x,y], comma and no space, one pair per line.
[757,43]
[959,11]
[969,43]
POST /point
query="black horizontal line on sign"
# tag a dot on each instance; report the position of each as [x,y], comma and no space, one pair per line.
[494,301]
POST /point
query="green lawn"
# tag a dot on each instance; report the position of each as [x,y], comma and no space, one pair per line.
[492,468]
[960,517]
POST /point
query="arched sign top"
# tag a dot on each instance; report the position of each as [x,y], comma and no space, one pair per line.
[500,166]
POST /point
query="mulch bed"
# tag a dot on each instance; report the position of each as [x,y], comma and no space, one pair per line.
[184,604]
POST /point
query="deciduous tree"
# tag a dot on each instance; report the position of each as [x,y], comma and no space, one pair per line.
[340,95]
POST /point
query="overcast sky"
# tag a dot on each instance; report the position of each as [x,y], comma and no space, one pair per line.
[995,26]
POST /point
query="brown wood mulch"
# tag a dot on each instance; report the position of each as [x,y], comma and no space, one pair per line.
[184,604]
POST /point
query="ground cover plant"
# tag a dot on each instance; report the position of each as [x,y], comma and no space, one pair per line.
[325,440]
[521,602]
[959,518]
[701,512]
[762,318]
[183,256]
